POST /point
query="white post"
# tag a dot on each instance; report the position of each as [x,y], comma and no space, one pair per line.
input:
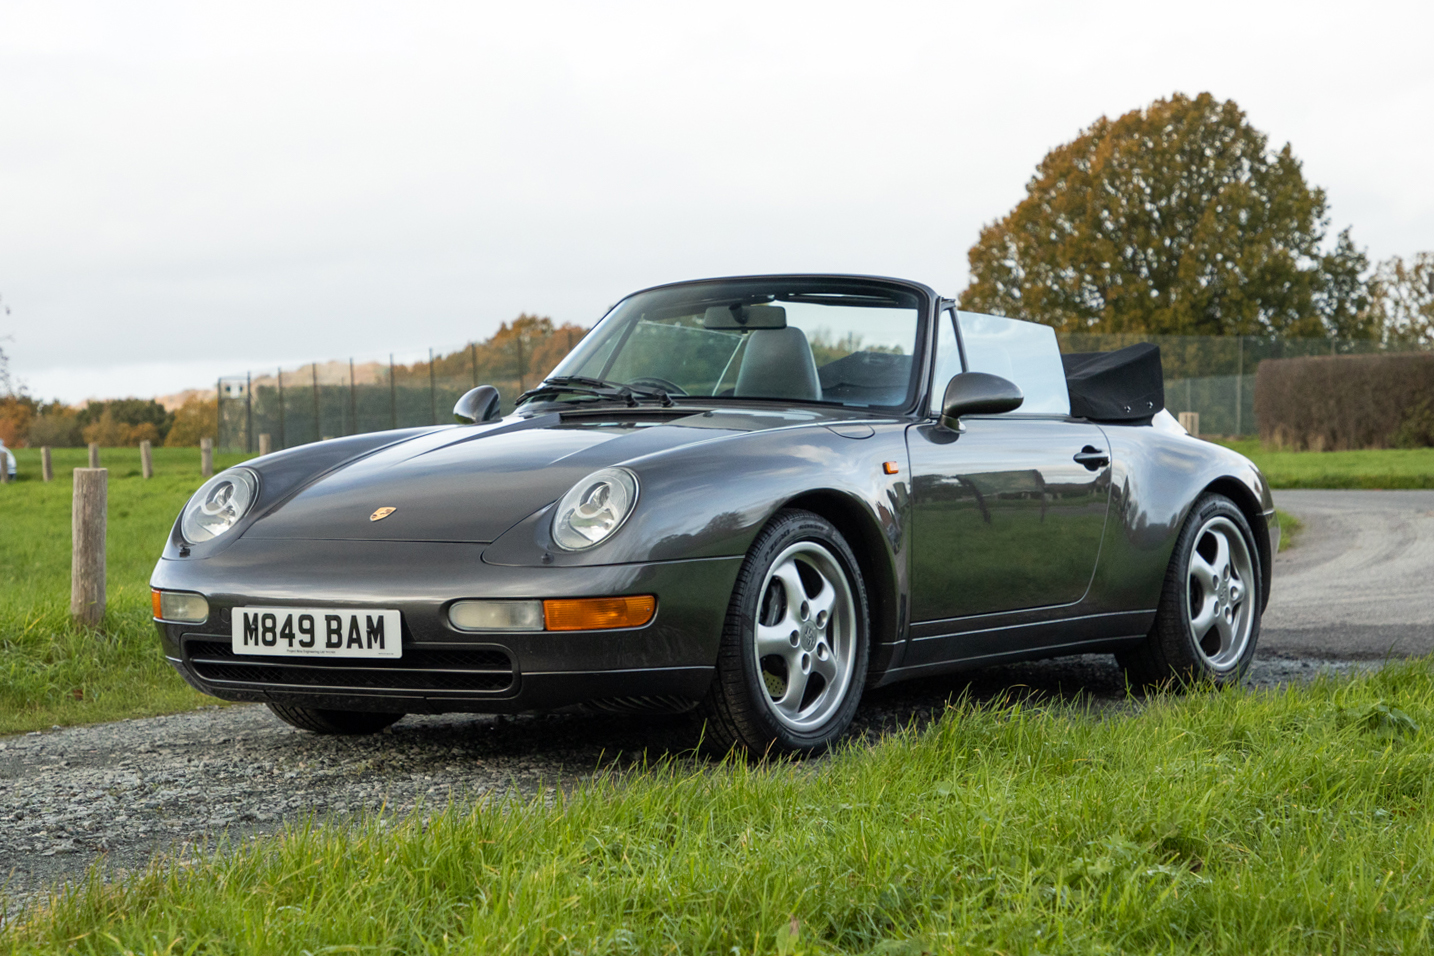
[206,457]
[1190,421]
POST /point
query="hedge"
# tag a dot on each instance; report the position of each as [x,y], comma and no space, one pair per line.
[1341,402]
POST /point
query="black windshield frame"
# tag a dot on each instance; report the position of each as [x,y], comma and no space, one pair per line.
[845,290]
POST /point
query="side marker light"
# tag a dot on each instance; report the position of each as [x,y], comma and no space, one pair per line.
[596,614]
[890,467]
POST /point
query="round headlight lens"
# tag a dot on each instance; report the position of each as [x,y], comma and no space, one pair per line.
[594,508]
[218,506]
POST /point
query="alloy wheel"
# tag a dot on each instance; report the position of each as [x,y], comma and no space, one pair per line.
[1218,590]
[806,635]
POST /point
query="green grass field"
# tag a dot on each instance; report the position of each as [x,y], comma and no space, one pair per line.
[1374,468]
[52,671]
[1298,821]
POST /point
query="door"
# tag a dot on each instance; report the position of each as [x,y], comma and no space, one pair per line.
[1006,515]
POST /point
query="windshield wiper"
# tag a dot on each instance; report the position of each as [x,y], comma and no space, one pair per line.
[601,388]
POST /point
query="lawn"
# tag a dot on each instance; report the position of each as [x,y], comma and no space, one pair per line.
[1241,822]
[52,671]
[1373,468]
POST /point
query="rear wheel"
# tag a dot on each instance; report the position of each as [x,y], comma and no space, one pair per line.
[794,650]
[345,722]
[1208,621]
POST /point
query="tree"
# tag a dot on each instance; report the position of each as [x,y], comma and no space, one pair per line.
[1174,219]
[124,422]
[7,384]
[1403,299]
[197,418]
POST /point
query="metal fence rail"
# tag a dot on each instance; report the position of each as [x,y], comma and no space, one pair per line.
[1213,376]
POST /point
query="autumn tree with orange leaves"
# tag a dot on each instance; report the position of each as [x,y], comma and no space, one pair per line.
[1173,219]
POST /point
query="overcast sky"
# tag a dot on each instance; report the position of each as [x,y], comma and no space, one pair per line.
[195,189]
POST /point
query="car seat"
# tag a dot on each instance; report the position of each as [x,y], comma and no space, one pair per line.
[778,364]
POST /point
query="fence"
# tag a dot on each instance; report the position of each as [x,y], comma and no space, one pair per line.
[329,399]
[1213,376]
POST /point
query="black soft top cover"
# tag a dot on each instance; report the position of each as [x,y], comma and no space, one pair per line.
[1126,385]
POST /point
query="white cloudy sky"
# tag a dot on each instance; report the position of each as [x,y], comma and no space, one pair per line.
[189,189]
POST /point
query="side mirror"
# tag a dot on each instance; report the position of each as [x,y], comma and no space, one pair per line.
[978,393]
[477,405]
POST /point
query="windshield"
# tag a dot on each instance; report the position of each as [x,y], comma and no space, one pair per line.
[838,341]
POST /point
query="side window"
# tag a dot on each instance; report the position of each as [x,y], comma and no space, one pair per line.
[948,358]
[1024,352]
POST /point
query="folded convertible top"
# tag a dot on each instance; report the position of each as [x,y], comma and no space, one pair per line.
[1126,385]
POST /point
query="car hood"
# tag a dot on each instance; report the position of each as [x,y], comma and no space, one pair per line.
[472,483]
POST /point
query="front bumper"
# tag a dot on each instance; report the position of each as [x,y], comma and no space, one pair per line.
[666,664]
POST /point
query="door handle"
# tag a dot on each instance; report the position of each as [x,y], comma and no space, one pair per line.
[1092,457]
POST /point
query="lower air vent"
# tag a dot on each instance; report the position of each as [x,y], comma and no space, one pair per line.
[643,705]
[420,669]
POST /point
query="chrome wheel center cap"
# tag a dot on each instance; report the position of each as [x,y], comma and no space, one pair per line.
[809,635]
[1222,593]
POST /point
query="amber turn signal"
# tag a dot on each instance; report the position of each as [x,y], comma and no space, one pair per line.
[890,467]
[596,614]
[154,602]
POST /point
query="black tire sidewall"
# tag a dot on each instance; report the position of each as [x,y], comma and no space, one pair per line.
[761,731]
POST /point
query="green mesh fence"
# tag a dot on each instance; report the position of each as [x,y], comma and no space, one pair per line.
[1214,376]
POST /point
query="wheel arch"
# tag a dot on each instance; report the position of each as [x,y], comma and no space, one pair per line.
[1240,493]
[874,560]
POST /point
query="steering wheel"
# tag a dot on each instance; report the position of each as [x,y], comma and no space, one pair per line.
[671,388]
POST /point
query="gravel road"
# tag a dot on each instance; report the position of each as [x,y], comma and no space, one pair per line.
[1354,587]
[120,792]
[1359,585]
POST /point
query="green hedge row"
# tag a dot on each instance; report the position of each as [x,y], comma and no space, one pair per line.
[1340,402]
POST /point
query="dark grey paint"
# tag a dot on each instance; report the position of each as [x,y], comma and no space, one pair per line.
[1093,535]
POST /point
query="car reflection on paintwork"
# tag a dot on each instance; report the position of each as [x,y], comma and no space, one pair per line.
[751,498]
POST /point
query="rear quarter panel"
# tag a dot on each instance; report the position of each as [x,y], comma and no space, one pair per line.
[1158,475]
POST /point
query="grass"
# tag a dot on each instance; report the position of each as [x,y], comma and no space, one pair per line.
[53,671]
[1290,526]
[1373,468]
[1298,821]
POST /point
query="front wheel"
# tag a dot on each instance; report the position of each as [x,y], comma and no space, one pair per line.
[344,722]
[1208,619]
[793,658]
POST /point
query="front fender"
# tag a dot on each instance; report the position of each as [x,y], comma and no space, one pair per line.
[711,498]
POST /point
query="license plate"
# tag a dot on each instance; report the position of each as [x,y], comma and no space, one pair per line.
[316,632]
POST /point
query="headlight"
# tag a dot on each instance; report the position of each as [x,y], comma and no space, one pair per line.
[594,508]
[218,506]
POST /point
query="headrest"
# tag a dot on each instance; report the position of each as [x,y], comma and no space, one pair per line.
[738,316]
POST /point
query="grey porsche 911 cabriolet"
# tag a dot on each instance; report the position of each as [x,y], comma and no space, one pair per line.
[751,496]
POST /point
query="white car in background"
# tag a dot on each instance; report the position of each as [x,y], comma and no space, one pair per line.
[9,459]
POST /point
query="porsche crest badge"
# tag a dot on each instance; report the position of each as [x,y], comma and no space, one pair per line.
[381,513]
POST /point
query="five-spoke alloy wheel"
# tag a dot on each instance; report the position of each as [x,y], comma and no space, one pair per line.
[794,649]
[1209,614]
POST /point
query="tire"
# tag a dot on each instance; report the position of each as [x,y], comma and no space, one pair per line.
[345,722]
[794,653]
[1208,620]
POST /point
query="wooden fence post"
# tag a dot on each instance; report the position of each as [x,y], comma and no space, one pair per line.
[47,469]
[4,467]
[146,458]
[206,457]
[94,455]
[87,562]
[1190,421]
[264,443]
